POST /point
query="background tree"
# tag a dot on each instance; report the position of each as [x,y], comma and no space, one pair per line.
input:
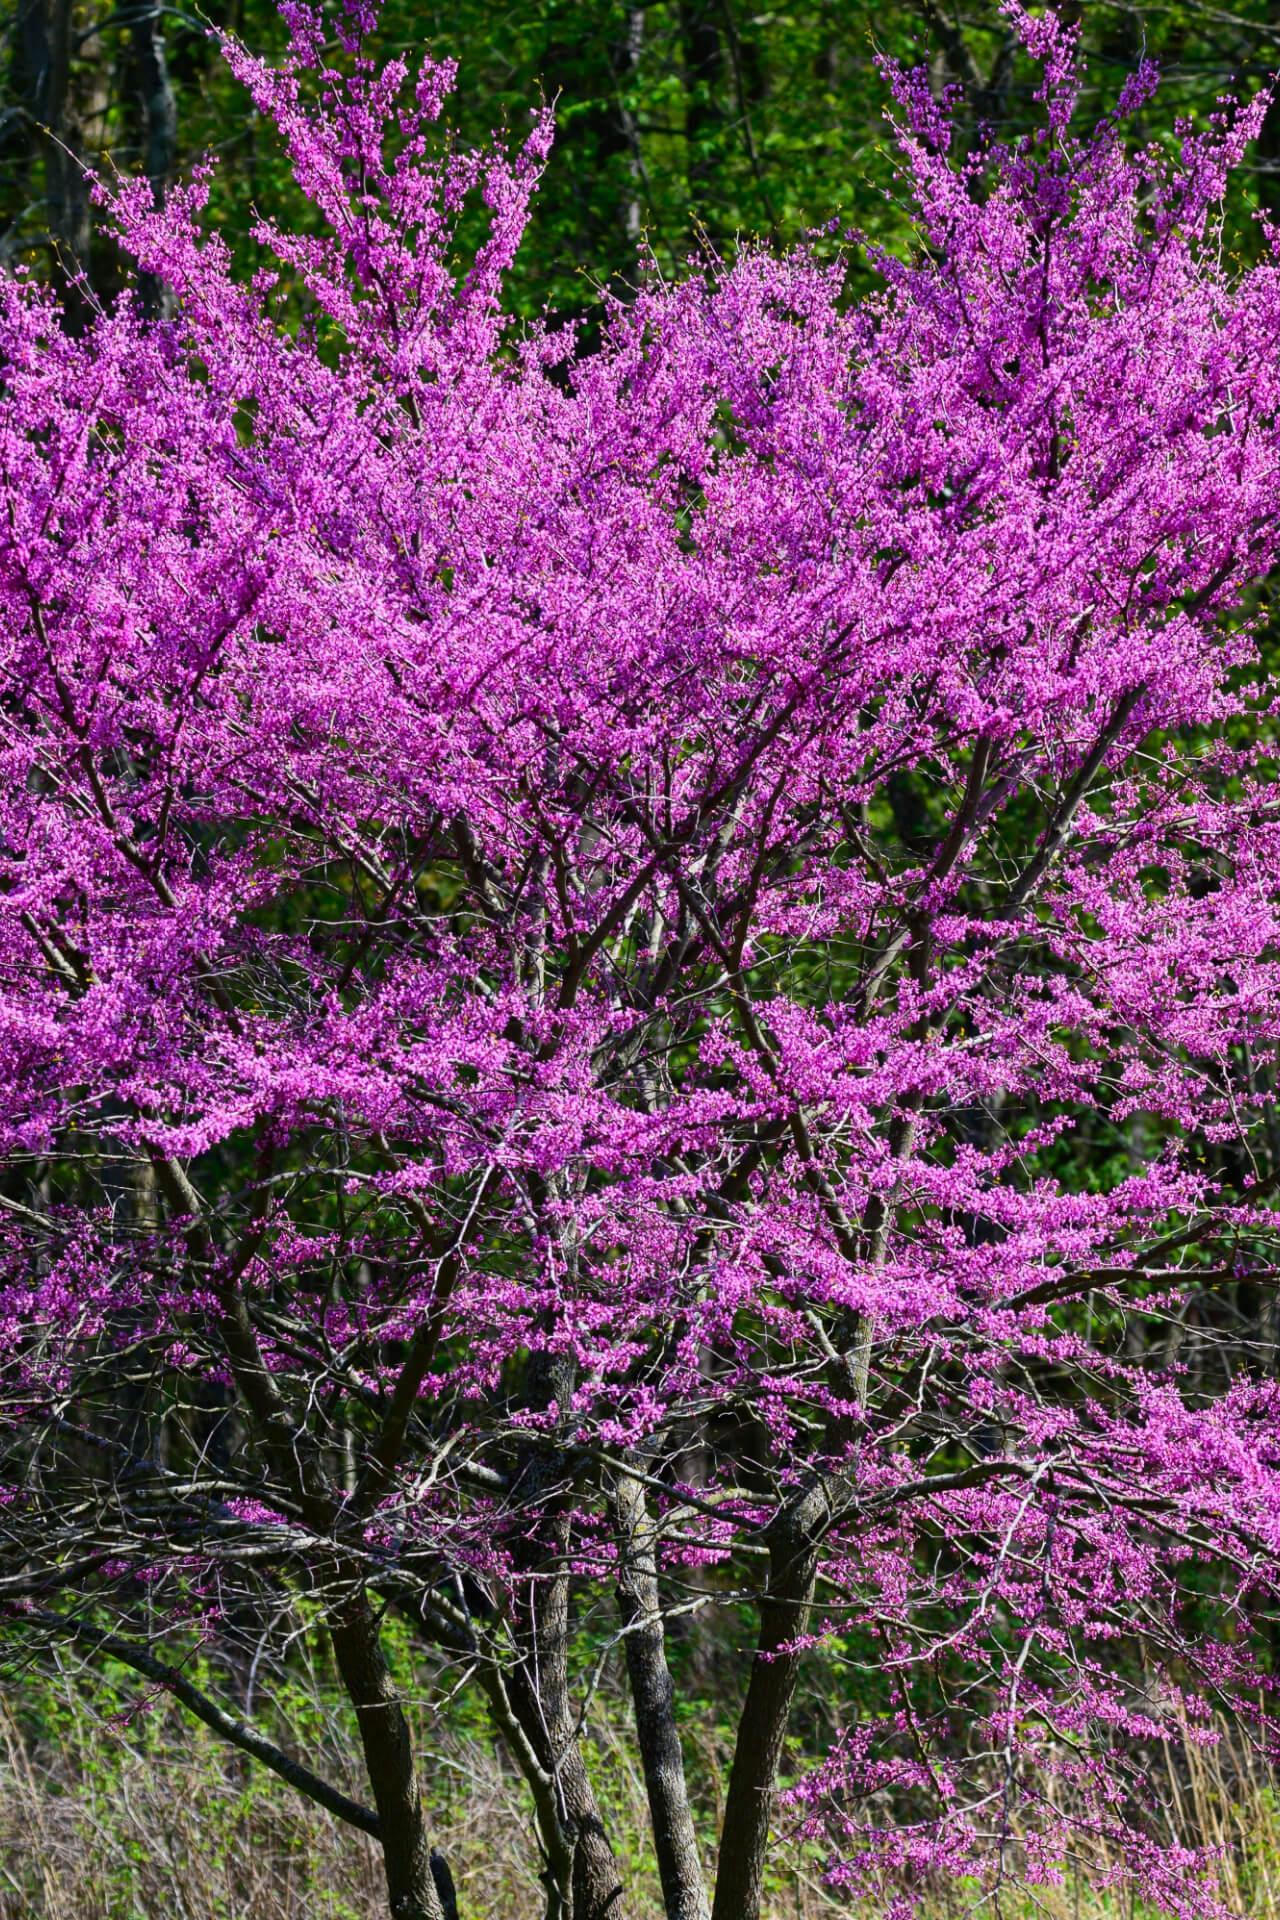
[684,119]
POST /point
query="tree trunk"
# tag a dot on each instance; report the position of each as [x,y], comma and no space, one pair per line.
[684,1891]
[762,1729]
[539,1690]
[704,102]
[46,35]
[412,1884]
[539,1685]
[158,115]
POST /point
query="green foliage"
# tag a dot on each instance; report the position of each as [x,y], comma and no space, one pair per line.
[115,1806]
[682,123]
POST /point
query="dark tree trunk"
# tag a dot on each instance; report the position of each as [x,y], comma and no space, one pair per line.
[158,115]
[539,1686]
[540,1697]
[762,1729]
[46,32]
[704,80]
[684,1890]
[412,1883]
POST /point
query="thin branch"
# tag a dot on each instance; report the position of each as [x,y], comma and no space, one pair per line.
[227,1726]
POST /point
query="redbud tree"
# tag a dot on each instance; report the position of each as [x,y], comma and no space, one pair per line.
[640,983]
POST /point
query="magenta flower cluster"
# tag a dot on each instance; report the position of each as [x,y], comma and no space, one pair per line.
[698,912]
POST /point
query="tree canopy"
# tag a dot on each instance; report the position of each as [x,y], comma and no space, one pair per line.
[641,963]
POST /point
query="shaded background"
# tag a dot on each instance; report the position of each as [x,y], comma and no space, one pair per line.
[680,121]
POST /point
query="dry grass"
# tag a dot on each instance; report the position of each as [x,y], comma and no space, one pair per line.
[149,1818]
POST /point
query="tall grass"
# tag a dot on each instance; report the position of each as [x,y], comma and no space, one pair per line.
[139,1814]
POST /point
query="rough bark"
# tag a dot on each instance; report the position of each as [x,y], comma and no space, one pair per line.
[684,1890]
[539,1685]
[388,1754]
[458,1636]
[540,1697]
[45,41]
[159,126]
[762,1729]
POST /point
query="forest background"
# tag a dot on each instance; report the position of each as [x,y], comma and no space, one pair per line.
[702,122]
[680,126]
